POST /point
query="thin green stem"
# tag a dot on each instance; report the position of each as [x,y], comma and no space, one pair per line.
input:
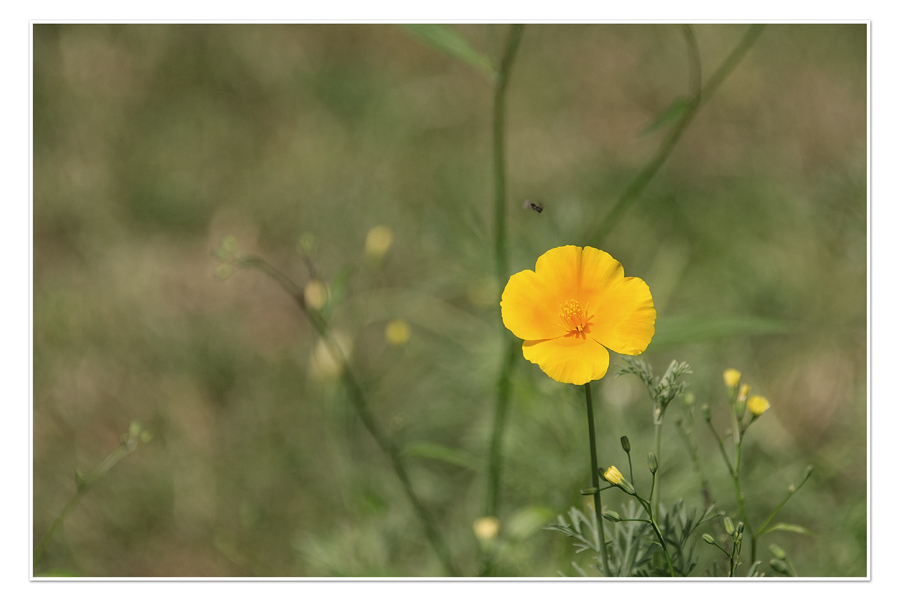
[701,96]
[595,476]
[82,487]
[499,130]
[662,542]
[740,498]
[695,458]
[501,260]
[793,490]
[656,436]
[359,403]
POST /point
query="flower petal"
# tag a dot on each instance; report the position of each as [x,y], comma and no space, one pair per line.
[568,359]
[622,307]
[531,301]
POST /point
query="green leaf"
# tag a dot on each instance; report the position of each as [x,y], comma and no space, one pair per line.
[442,453]
[676,111]
[787,527]
[686,329]
[446,39]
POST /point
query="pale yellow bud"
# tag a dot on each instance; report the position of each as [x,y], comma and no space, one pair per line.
[315,294]
[379,241]
[397,332]
[745,391]
[757,405]
[486,528]
[731,377]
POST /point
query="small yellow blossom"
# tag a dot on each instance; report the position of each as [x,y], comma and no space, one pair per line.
[397,332]
[486,528]
[745,391]
[757,405]
[613,476]
[315,294]
[379,241]
[574,305]
[731,377]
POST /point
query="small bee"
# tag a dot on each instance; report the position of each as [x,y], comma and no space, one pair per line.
[538,208]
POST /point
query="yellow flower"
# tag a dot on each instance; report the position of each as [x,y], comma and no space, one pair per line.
[574,305]
[397,332]
[378,241]
[757,405]
[486,528]
[731,377]
[613,476]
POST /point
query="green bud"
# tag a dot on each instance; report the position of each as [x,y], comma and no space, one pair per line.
[611,516]
[777,552]
[589,491]
[653,463]
[704,412]
[689,399]
[709,539]
[146,436]
[779,566]
[626,445]
[134,429]
[739,531]
[729,526]
[807,473]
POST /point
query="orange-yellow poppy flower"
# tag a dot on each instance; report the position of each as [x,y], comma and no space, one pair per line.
[574,305]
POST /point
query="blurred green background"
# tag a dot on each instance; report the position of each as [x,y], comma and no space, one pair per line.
[153,142]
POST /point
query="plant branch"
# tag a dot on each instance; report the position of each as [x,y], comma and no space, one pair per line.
[358,400]
[701,96]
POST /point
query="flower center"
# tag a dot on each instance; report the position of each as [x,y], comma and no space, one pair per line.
[575,320]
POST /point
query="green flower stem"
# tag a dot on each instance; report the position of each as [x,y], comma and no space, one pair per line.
[695,458]
[595,476]
[762,528]
[740,498]
[82,486]
[656,438]
[501,82]
[662,542]
[358,400]
[634,190]
[501,259]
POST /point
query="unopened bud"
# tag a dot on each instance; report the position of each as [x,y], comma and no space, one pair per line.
[653,463]
[729,526]
[689,399]
[731,377]
[611,516]
[709,539]
[704,412]
[777,552]
[626,445]
[779,566]
[589,491]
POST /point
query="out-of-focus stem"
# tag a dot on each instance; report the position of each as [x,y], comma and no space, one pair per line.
[358,400]
[501,260]
[633,191]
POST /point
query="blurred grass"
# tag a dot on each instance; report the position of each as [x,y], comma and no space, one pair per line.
[152,142]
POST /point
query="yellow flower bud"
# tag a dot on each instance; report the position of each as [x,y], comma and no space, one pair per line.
[486,528]
[315,294]
[757,405]
[745,391]
[397,332]
[378,241]
[613,476]
[731,377]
